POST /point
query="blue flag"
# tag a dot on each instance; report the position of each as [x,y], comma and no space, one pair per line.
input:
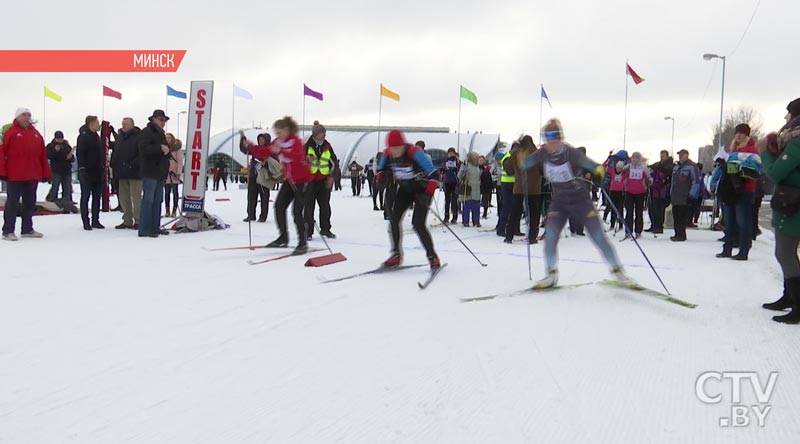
[544,96]
[175,93]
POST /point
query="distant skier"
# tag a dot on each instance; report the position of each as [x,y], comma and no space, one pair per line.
[562,164]
[416,181]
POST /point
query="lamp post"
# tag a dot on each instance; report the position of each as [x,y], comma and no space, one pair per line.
[722,99]
[179,122]
[672,144]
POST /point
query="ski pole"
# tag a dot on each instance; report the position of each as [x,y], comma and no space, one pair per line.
[526,206]
[323,238]
[436,213]
[250,232]
[616,210]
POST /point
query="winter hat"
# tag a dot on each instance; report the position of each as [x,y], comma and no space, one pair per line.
[420,143]
[742,128]
[59,135]
[158,113]
[395,138]
[266,137]
[620,164]
[683,151]
[317,129]
[451,150]
[794,108]
[622,155]
[20,111]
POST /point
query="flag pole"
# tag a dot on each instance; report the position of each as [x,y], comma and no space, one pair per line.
[166,111]
[44,114]
[625,127]
[458,131]
[541,110]
[233,119]
[304,112]
[380,109]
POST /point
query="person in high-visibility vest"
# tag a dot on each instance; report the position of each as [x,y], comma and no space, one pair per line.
[507,187]
[322,161]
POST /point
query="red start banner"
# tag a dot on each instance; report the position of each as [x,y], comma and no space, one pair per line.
[145,60]
[197,137]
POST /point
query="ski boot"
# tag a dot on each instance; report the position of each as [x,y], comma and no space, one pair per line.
[434,262]
[622,278]
[549,281]
[280,242]
[395,260]
[300,249]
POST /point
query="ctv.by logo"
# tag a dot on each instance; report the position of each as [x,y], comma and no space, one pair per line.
[732,385]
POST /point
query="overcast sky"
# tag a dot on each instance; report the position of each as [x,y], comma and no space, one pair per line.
[424,50]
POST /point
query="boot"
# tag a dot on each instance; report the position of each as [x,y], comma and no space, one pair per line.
[328,234]
[281,242]
[622,278]
[300,249]
[741,256]
[395,260]
[434,262]
[726,252]
[793,293]
[97,225]
[781,304]
[549,281]
[455,219]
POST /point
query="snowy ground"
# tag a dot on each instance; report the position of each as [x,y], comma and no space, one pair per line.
[108,338]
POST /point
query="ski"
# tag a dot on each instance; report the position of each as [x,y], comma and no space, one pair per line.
[525,291]
[378,270]
[431,277]
[254,247]
[285,256]
[646,291]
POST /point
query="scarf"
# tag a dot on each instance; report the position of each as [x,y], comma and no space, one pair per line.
[788,132]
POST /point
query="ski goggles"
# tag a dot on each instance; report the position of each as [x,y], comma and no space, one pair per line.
[552,135]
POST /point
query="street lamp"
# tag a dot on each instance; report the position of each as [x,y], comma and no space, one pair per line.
[672,145]
[722,100]
[179,122]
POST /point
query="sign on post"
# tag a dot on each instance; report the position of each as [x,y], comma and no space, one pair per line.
[197,137]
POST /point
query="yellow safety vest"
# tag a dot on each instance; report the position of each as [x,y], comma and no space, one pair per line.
[322,164]
[505,177]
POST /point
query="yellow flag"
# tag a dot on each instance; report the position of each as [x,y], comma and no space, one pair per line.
[51,94]
[390,94]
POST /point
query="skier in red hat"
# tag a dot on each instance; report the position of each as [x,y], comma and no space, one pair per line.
[417,180]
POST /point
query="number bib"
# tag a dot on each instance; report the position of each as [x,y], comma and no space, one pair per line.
[636,174]
[558,173]
[404,172]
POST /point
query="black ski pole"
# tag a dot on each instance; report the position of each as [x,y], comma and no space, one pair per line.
[616,211]
[527,220]
[436,213]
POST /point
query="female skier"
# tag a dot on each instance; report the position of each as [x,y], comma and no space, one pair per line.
[416,180]
[562,163]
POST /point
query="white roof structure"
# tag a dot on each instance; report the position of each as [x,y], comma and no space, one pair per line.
[361,144]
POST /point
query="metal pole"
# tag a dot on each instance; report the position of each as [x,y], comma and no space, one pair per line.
[625,127]
[380,106]
[44,116]
[541,104]
[304,115]
[722,103]
[672,145]
[233,120]
[458,131]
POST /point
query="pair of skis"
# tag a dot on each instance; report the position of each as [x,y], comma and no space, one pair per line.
[383,269]
[608,283]
[263,247]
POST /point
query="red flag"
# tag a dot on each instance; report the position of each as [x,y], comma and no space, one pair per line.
[108,92]
[637,79]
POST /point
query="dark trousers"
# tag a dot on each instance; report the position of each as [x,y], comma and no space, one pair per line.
[486,200]
[473,208]
[16,190]
[388,202]
[450,200]
[288,194]
[318,193]
[378,195]
[254,193]
[634,212]
[508,197]
[91,187]
[64,181]
[517,210]
[150,212]
[171,190]
[739,223]
[355,185]
[657,208]
[371,185]
[498,191]
[618,200]
[401,202]
[680,218]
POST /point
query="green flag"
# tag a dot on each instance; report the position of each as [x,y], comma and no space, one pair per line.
[469,95]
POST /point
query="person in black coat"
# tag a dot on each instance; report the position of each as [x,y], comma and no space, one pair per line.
[61,158]
[153,167]
[90,171]
[221,174]
[125,165]
[256,191]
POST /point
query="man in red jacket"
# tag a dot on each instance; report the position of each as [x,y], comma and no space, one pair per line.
[23,164]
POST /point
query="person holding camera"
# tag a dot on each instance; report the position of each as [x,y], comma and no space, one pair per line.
[174,175]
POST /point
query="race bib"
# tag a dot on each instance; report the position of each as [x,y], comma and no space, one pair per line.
[451,164]
[558,173]
[618,178]
[404,172]
[636,174]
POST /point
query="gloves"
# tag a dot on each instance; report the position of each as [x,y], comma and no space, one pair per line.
[433,185]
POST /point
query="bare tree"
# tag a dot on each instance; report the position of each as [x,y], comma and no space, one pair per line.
[744,114]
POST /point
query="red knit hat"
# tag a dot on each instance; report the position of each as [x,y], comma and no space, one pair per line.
[395,138]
